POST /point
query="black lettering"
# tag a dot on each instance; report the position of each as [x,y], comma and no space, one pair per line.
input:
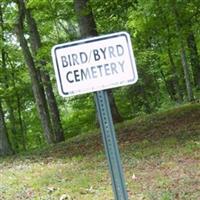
[96,55]
[120,50]
[85,74]
[75,59]
[68,78]
[111,51]
[113,68]
[94,72]
[64,61]
[107,69]
[83,57]
[121,65]
[76,75]
[103,52]
[69,59]
[100,69]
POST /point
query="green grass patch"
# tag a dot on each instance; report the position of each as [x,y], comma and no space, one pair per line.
[160,155]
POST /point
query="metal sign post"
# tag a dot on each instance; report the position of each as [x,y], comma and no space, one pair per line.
[94,65]
[110,144]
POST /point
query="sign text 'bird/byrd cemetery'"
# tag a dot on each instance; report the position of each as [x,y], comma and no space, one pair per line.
[94,64]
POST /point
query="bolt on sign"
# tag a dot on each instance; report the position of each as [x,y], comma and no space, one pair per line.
[94,64]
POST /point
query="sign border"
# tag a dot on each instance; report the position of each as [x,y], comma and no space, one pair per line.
[90,40]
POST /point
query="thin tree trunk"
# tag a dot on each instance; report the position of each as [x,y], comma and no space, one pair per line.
[36,85]
[168,88]
[87,27]
[18,101]
[22,134]
[8,100]
[175,79]
[53,107]
[186,74]
[5,147]
[183,56]
[194,59]
[50,97]
[179,96]
[115,113]
[21,123]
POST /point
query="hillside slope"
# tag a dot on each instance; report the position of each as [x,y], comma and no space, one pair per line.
[178,122]
[160,155]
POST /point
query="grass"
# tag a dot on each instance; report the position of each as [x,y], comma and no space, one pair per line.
[160,155]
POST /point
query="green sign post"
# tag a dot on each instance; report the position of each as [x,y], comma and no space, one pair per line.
[94,65]
[110,144]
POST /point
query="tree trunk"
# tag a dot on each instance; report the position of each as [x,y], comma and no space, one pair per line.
[21,123]
[194,59]
[86,22]
[115,113]
[186,74]
[50,97]
[36,85]
[178,96]
[8,99]
[190,96]
[169,87]
[54,112]
[20,120]
[18,102]
[87,27]
[5,147]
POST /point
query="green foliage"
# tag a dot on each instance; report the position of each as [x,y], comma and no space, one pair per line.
[156,43]
[82,110]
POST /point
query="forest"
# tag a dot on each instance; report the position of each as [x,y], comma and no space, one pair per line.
[52,146]
[165,36]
